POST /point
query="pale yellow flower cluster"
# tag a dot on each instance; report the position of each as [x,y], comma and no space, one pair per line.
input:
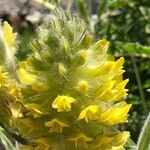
[72,101]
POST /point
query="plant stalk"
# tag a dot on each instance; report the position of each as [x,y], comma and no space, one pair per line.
[144,138]
[139,83]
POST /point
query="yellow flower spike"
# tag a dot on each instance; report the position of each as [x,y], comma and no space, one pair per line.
[25,77]
[56,125]
[106,68]
[68,84]
[83,86]
[90,113]
[80,140]
[63,103]
[116,114]
[8,35]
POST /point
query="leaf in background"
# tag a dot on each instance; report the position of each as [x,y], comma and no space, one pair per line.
[144,138]
[133,48]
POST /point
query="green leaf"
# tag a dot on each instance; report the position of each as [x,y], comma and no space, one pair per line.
[144,138]
[5,140]
[132,48]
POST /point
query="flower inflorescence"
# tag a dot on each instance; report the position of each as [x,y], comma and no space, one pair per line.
[69,92]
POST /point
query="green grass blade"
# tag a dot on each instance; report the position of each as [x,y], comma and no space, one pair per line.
[5,140]
[144,138]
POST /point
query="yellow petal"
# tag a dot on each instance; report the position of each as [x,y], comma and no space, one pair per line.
[100,70]
[35,107]
[80,140]
[63,103]
[56,125]
[116,114]
[111,92]
[101,46]
[118,64]
[25,77]
[39,86]
[89,113]
[104,89]
[9,36]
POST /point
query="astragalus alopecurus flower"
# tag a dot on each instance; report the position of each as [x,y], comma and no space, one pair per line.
[68,93]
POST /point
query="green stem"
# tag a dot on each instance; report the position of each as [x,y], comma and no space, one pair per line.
[144,138]
[139,83]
